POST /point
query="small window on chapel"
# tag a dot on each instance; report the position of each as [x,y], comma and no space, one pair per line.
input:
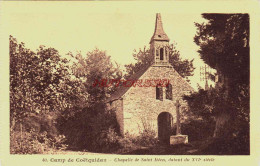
[169,91]
[159,92]
[161,54]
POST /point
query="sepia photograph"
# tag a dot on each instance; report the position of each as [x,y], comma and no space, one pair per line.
[89,102]
[92,82]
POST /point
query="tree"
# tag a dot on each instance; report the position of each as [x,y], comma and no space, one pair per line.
[51,94]
[90,120]
[224,46]
[96,67]
[35,79]
[35,82]
[144,59]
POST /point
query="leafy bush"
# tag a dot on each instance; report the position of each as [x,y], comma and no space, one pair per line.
[225,146]
[92,129]
[196,129]
[146,138]
[126,142]
[32,143]
[107,141]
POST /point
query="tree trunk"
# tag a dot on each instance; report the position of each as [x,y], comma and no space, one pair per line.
[221,121]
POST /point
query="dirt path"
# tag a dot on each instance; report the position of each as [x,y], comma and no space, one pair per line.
[165,150]
[181,149]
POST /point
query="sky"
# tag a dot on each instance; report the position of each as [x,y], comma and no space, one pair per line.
[117,32]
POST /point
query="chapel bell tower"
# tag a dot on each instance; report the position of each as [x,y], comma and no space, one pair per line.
[159,44]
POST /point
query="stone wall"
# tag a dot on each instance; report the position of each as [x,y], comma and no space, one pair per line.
[140,106]
[156,45]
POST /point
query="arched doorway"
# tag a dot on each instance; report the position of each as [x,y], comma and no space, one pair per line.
[165,123]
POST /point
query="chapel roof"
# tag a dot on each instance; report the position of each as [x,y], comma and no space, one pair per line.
[121,90]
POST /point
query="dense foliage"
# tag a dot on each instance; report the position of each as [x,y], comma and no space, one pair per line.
[52,97]
[224,45]
[36,98]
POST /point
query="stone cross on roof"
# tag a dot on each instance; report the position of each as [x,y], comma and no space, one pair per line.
[159,33]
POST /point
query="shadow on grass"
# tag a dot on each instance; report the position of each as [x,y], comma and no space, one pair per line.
[209,146]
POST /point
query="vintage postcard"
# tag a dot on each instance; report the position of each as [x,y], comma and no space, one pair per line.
[129,83]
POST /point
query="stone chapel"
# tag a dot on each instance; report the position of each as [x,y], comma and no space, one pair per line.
[151,108]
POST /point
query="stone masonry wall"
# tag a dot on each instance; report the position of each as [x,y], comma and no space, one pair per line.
[156,45]
[140,106]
